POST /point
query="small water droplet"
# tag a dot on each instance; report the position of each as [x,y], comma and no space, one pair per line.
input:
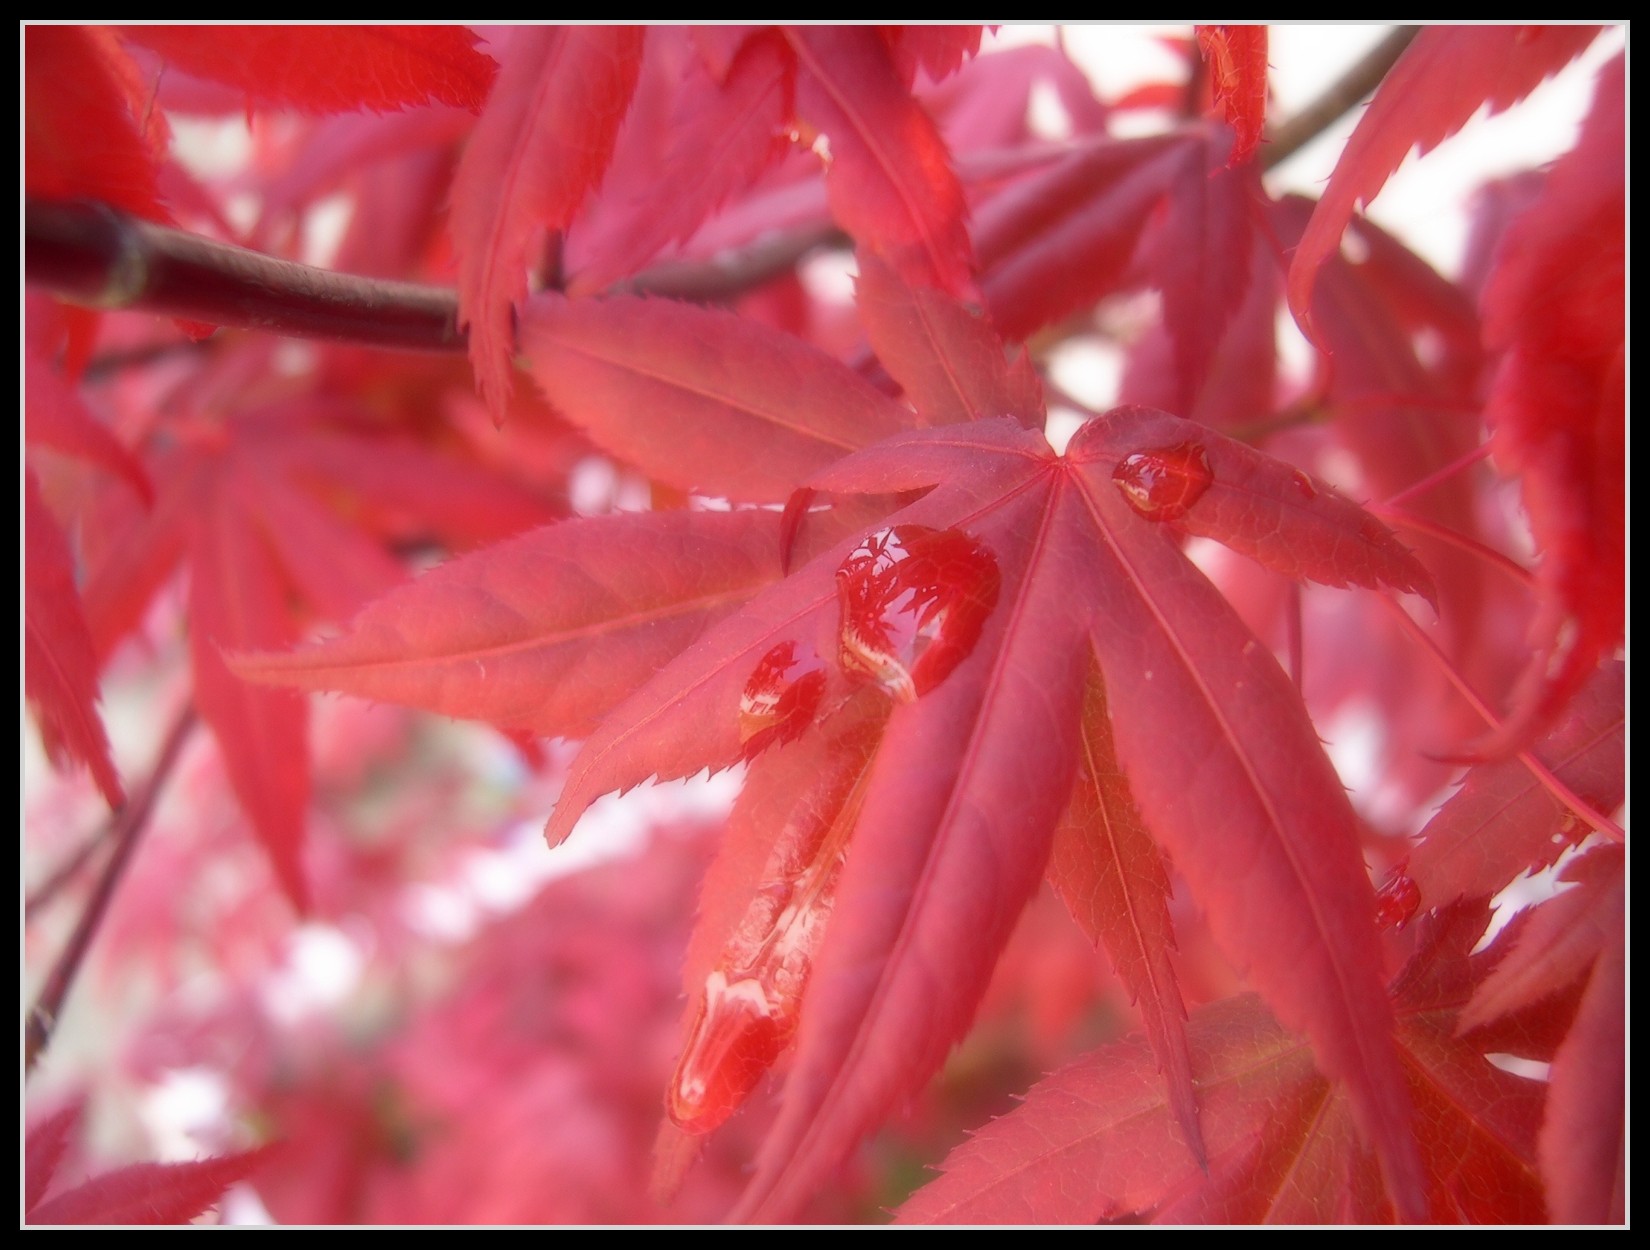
[1573,829]
[913,601]
[1396,902]
[780,697]
[1162,485]
[1303,484]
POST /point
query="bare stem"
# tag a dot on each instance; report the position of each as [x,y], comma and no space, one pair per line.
[129,826]
[71,865]
[1338,98]
[91,254]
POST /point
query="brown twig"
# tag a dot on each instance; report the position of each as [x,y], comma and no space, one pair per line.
[92,254]
[70,868]
[1340,96]
[96,255]
[129,826]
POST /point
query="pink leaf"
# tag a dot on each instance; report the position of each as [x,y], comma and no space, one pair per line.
[1251,502]
[43,1148]
[546,631]
[1261,829]
[945,356]
[1560,942]
[59,665]
[1556,305]
[237,603]
[675,389]
[1439,82]
[951,842]
[150,1193]
[82,100]
[1583,1140]
[889,175]
[724,135]
[542,144]
[1236,56]
[1503,820]
[1063,238]
[329,69]
[1110,875]
[938,50]
[1199,257]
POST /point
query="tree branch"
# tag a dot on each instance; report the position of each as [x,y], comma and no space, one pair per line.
[95,255]
[92,254]
[129,826]
[1340,96]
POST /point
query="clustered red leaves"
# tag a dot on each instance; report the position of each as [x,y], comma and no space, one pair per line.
[956,662]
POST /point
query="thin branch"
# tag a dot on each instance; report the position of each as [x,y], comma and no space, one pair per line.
[94,255]
[91,254]
[70,868]
[735,272]
[1549,780]
[1338,98]
[133,819]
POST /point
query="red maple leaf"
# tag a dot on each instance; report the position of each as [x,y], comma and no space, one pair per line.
[954,658]
[955,819]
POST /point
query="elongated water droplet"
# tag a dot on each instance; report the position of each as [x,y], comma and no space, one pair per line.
[780,697]
[1396,902]
[751,1001]
[1303,484]
[913,601]
[1162,485]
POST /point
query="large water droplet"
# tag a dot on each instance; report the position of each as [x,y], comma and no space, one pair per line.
[1162,485]
[1397,901]
[913,601]
[734,1041]
[780,697]
[753,999]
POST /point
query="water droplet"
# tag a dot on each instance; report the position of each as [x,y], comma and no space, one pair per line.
[1303,485]
[752,1000]
[913,601]
[1396,902]
[780,697]
[1572,828]
[734,1041]
[1162,485]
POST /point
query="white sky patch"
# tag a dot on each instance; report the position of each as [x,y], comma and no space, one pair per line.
[321,969]
[183,1113]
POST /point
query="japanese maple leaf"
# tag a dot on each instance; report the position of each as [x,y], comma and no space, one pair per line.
[1439,82]
[949,829]
[327,69]
[1555,305]
[1237,70]
[1097,1141]
[144,1193]
[245,506]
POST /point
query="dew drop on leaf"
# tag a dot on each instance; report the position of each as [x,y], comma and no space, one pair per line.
[1396,902]
[751,1001]
[1162,485]
[780,697]
[913,601]
[1303,485]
